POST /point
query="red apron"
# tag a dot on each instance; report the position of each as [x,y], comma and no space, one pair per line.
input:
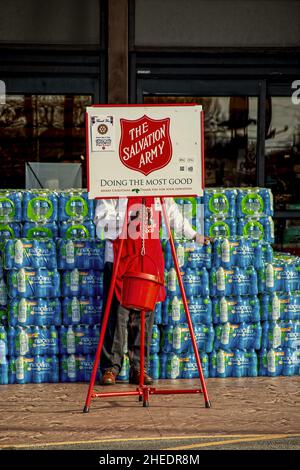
[132,247]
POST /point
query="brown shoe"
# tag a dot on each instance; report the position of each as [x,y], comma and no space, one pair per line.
[134,377]
[109,377]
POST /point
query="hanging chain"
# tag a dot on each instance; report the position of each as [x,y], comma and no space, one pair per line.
[143,251]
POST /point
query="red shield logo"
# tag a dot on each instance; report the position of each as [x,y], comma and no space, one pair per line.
[145,144]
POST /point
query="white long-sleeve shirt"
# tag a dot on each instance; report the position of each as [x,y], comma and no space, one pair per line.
[110,214]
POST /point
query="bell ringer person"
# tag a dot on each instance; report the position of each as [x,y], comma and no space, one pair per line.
[109,219]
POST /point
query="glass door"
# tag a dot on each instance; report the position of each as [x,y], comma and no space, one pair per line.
[282,153]
[230,134]
[230,124]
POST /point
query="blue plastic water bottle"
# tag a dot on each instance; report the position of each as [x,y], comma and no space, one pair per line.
[258,336]
[158,314]
[38,370]
[54,369]
[163,358]
[21,372]
[290,362]
[154,366]
[252,363]
[3,370]
[262,362]
[238,369]
[3,343]
[222,369]
[53,341]
[124,372]
[213,364]
[155,340]
[167,338]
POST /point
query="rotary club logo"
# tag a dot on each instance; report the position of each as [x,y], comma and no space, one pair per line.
[102,129]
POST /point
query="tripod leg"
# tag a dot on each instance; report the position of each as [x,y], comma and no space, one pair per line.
[142,348]
[105,320]
[186,308]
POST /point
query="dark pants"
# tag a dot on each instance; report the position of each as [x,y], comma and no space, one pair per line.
[120,319]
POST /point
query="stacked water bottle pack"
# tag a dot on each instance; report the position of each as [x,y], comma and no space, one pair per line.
[80,260]
[33,312]
[176,359]
[30,320]
[236,312]
[244,302]
[280,314]
[225,283]
[239,211]
[42,213]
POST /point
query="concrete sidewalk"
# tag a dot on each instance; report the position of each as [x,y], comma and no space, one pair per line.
[252,412]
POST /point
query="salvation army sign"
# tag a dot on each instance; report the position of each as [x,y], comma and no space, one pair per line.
[145,144]
[144,150]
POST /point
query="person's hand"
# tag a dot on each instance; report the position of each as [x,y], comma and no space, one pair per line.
[202,240]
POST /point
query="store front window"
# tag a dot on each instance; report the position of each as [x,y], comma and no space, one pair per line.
[287,235]
[40,128]
[230,133]
[282,148]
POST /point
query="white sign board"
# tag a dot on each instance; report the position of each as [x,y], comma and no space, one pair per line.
[144,150]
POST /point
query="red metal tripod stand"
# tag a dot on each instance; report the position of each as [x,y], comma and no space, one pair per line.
[143,391]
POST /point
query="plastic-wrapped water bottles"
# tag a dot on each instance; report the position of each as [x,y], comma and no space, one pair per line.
[219,202]
[204,335]
[45,369]
[254,202]
[68,369]
[241,252]
[73,230]
[8,231]
[3,293]
[281,334]
[233,281]
[86,283]
[196,282]
[180,338]
[25,253]
[250,363]
[171,283]
[123,375]
[172,367]
[200,308]
[155,340]
[33,230]
[3,343]
[20,369]
[220,227]
[40,312]
[236,309]
[261,228]
[74,204]
[32,340]
[279,277]
[158,314]
[154,366]
[189,255]
[222,364]
[81,310]
[10,206]
[81,254]
[39,282]
[271,362]
[243,336]
[40,206]
[4,367]
[280,306]
[79,339]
